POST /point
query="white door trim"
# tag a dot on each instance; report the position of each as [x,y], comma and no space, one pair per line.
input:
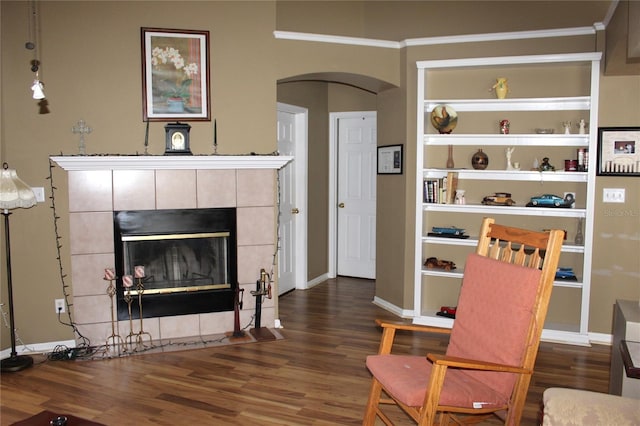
[301,173]
[333,185]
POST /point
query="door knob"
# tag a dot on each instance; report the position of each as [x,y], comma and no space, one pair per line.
[295,210]
[341,205]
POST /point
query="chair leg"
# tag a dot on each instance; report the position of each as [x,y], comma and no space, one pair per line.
[372,403]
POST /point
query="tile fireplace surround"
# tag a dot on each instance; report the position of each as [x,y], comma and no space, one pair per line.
[99,185]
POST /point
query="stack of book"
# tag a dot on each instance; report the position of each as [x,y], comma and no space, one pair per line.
[440,190]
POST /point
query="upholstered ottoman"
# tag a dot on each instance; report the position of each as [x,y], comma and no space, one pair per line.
[578,407]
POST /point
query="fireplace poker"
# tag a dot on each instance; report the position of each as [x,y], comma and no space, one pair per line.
[237,305]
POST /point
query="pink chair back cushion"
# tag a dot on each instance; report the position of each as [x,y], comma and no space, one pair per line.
[493,317]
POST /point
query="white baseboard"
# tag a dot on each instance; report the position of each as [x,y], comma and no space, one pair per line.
[396,310]
[314,282]
[601,338]
[38,348]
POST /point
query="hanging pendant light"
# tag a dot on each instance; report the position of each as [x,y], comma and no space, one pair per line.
[37,86]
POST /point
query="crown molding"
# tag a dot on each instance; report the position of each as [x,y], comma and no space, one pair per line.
[326,38]
[514,35]
[428,41]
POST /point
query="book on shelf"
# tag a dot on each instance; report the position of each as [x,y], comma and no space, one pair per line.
[452,186]
[438,190]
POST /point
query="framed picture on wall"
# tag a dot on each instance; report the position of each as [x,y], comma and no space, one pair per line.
[175,75]
[390,160]
[618,151]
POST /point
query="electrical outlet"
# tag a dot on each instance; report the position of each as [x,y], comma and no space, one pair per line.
[60,308]
[613,195]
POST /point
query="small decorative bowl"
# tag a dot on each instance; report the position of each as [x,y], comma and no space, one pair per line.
[544,131]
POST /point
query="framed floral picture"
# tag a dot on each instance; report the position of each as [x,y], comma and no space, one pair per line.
[175,75]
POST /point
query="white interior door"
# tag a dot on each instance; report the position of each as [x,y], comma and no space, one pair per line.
[356,198]
[292,229]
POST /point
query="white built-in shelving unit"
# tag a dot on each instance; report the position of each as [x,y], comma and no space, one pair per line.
[567,320]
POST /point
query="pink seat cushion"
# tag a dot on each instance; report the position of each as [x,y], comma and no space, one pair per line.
[494,311]
[406,378]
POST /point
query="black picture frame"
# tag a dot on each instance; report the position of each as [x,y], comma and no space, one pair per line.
[390,160]
[618,151]
[177,139]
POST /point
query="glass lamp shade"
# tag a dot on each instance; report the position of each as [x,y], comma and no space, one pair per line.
[37,88]
[14,193]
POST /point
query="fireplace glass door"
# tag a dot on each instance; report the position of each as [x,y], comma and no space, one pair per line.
[179,262]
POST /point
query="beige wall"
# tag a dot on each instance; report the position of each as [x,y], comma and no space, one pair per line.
[91,67]
[90,53]
[616,252]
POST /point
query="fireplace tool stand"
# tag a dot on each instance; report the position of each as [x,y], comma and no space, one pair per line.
[115,339]
[263,288]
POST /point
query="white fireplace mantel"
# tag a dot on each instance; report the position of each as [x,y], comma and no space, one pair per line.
[170,162]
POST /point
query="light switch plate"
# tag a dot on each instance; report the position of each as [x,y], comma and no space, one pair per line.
[613,195]
[39,191]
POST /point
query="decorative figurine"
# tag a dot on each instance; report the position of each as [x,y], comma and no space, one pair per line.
[501,88]
[567,127]
[504,127]
[579,240]
[444,119]
[514,166]
[480,160]
[550,200]
[450,163]
[82,129]
[536,164]
[460,197]
[498,199]
[545,166]
[435,263]
[582,127]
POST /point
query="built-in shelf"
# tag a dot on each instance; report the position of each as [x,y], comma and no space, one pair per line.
[433,288]
[503,175]
[567,247]
[511,139]
[524,104]
[505,210]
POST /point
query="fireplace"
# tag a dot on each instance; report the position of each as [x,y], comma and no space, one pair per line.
[189,259]
[100,185]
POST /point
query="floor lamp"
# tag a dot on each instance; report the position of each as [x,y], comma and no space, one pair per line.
[14,193]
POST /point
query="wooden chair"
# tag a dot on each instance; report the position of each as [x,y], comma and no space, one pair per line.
[494,341]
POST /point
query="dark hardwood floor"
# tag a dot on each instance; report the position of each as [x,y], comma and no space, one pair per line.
[314,376]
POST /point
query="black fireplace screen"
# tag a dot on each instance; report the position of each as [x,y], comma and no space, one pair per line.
[189,259]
